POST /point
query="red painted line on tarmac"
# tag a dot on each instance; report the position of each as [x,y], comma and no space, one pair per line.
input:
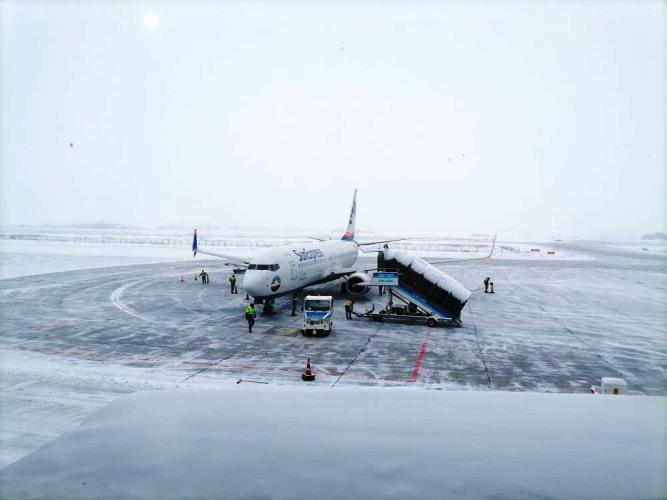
[222,367]
[88,356]
[420,359]
[200,363]
[287,369]
[389,379]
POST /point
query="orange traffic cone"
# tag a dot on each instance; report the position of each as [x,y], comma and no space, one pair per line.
[308,375]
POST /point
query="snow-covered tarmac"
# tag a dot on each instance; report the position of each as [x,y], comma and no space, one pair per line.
[74,341]
[289,442]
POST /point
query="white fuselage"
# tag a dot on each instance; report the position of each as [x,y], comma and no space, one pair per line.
[282,270]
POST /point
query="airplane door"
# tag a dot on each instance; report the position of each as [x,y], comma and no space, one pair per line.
[292,266]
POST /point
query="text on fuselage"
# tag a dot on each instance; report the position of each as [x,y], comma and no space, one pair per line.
[306,255]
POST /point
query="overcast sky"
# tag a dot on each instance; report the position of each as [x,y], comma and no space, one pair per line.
[450,117]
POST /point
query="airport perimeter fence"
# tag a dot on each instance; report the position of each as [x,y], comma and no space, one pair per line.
[425,246]
[153,240]
[236,242]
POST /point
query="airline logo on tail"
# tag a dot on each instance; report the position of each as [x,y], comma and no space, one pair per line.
[349,233]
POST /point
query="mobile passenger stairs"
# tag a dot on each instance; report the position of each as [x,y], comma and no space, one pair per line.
[418,292]
[412,308]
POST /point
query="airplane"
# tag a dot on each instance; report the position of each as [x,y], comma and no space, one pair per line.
[289,269]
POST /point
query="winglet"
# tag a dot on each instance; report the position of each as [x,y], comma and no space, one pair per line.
[349,232]
[454,261]
[194,244]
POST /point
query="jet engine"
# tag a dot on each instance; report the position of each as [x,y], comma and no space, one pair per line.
[356,284]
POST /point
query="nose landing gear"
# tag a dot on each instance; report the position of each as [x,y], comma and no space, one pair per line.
[268,307]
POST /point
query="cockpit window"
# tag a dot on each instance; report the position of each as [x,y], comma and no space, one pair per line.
[263,267]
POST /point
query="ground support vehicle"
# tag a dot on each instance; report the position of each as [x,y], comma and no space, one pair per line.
[317,315]
[408,307]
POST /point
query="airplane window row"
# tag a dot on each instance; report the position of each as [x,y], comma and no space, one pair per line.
[263,267]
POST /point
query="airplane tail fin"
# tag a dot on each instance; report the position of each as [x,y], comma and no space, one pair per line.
[194,244]
[349,232]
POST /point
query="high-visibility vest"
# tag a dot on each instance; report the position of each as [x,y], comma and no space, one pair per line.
[232,278]
[250,310]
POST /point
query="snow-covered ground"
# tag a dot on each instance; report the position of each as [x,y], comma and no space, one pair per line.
[250,441]
[38,252]
[25,258]
[73,342]
[654,248]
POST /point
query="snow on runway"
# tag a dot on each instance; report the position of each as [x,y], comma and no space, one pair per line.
[73,341]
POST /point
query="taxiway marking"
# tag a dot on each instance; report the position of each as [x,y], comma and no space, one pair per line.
[420,358]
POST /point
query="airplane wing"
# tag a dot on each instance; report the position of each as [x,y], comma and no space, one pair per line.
[233,259]
[370,243]
[365,243]
[334,275]
[451,261]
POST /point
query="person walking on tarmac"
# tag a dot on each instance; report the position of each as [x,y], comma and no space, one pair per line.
[294,303]
[250,315]
[486,284]
[204,277]
[232,283]
[349,306]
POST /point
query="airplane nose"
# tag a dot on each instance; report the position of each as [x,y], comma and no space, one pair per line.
[252,283]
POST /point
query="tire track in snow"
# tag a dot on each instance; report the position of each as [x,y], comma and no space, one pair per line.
[118,303]
[478,345]
[262,339]
[478,340]
[363,348]
[593,350]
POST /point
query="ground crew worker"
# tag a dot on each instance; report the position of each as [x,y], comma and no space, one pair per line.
[294,302]
[380,290]
[250,315]
[349,305]
[486,284]
[204,277]
[491,285]
[232,283]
